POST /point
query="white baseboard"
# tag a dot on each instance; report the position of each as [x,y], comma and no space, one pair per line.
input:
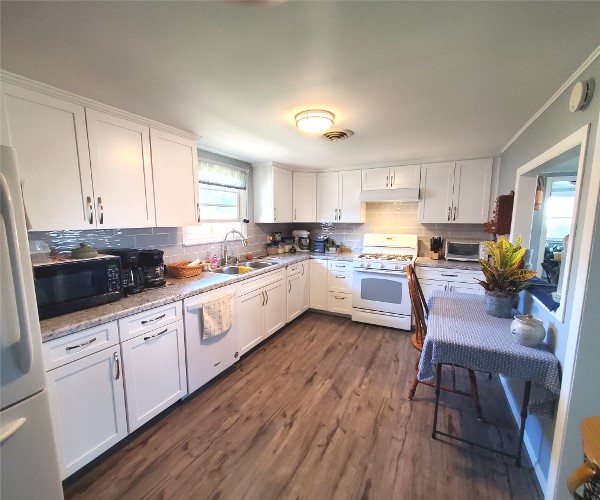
[516,413]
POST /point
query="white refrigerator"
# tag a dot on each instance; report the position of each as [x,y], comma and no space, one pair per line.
[28,461]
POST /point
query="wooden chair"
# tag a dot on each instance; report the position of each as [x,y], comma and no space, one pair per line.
[420,312]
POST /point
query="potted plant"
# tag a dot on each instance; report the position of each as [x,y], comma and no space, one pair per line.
[504,276]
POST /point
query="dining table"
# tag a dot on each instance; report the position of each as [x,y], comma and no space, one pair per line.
[461,333]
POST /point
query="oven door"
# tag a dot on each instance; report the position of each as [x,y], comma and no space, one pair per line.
[382,291]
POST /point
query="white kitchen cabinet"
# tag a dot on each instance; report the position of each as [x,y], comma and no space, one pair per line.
[122,171]
[294,299]
[87,400]
[304,196]
[272,193]
[339,303]
[339,287]
[175,174]
[261,305]
[304,285]
[208,357]
[154,371]
[449,279]
[338,197]
[404,176]
[50,137]
[318,284]
[455,192]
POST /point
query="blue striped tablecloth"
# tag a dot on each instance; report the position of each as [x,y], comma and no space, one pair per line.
[460,332]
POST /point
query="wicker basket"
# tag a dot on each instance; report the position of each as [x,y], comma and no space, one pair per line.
[181,269]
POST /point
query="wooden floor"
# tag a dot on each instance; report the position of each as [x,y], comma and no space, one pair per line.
[318,412]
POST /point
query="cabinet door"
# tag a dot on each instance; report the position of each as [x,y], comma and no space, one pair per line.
[87,404]
[318,284]
[327,196]
[428,286]
[406,176]
[350,209]
[305,196]
[154,371]
[175,174]
[305,286]
[274,308]
[376,178]
[338,302]
[249,310]
[293,297]
[472,184]
[282,195]
[122,171]
[437,180]
[50,137]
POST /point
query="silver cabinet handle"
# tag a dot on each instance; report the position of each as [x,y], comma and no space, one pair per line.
[340,214]
[275,213]
[393,180]
[339,298]
[117,365]
[303,269]
[100,211]
[156,334]
[262,293]
[91,207]
[387,181]
[290,287]
[146,321]
[449,212]
[340,277]
[83,344]
[336,216]
[451,275]
[294,214]
[197,212]
[267,296]
[454,217]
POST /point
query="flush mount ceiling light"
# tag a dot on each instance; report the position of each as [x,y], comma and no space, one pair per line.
[314,120]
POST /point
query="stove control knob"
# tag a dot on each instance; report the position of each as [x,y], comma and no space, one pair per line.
[381,266]
[367,265]
[396,266]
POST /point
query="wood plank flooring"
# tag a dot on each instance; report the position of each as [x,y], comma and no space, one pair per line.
[317,412]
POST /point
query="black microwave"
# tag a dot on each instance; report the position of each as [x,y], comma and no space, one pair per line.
[66,286]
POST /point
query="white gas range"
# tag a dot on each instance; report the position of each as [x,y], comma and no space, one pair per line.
[379,283]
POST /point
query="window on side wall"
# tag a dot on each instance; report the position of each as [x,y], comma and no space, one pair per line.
[222,196]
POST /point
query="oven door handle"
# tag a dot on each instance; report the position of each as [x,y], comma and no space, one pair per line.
[387,273]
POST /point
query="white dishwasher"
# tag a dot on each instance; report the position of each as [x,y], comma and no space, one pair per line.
[207,357]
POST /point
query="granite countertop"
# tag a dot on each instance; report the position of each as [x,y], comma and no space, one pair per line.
[176,289]
[448,264]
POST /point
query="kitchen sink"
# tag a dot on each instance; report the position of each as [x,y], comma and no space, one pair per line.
[259,264]
[236,269]
[228,270]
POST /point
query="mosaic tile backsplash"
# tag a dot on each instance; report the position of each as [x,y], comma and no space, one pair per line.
[389,217]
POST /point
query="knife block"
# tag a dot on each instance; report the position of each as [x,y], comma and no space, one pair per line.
[435,255]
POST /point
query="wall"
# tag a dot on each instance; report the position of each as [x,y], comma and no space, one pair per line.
[392,217]
[552,126]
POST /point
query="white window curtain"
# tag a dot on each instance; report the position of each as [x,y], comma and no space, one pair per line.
[221,175]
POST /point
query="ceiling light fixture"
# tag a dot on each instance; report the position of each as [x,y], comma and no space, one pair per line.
[314,120]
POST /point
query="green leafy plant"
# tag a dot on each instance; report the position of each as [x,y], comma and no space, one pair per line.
[505,275]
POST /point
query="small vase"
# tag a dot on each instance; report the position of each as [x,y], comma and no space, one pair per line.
[528,331]
[499,307]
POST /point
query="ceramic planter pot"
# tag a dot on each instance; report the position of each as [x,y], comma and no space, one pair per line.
[528,330]
[499,307]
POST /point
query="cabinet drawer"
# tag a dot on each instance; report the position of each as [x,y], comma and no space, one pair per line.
[339,281]
[261,281]
[294,269]
[442,274]
[339,302]
[71,347]
[340,265]
[136,324]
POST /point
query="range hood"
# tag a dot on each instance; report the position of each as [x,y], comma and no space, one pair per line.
[400,194]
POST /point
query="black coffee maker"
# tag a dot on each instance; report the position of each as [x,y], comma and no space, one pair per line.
[153,268]
[131,272]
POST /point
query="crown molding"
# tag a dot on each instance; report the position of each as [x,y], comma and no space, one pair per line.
[556,95]
[22,81]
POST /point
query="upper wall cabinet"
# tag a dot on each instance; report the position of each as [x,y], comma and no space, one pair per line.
[304,197]
[272,193]
[122,171]
[405,176]
[175,172]
[337,197]
[50,137]
[455,192]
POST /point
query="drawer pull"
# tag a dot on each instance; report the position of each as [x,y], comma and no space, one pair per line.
[146,321]
[71,347]
[117,366]
[156,334]
[340,277]
[450,275]
[339,298]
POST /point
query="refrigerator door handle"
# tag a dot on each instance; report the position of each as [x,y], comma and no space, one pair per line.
[25,345]
[6,431]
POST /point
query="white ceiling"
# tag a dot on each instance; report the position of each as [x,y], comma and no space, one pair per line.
[413,80]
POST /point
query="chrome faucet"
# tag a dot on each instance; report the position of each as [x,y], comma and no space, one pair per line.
[244,243]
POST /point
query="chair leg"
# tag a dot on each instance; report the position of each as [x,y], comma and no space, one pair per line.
[475,394]
[415,381]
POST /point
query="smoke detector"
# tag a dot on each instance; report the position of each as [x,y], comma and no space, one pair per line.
[337,135]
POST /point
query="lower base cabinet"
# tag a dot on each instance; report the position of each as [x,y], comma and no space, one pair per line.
[87,404]
[449,279]
[155,372]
